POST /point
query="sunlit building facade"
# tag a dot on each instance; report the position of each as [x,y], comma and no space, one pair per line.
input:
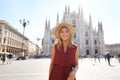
[11,40]
[113,49]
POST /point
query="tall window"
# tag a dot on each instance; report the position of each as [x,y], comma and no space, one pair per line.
[87,52]
[75,35]
[5,32]
[95,42]
[0,31]
[52,41]
[86,33]
[96,51]
[74,22]
[0,40]
[87,42]
[74,25]
[4,40]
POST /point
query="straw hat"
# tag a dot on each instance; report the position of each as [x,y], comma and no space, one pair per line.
[64,24]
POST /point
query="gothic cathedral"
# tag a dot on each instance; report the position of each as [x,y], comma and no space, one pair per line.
[90,41]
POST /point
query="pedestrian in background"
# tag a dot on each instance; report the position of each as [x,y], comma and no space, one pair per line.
[108,57]
[119,57]
[64,61]
[3,58]
[9,58]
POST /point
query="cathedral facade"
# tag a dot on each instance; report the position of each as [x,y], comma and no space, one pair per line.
[90,41]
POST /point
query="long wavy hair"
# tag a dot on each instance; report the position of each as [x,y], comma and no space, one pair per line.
[59,43]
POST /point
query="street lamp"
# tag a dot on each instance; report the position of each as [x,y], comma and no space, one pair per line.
[38,45]
[38,39]
[24,23]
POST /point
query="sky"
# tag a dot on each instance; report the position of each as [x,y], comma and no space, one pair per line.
[38,11]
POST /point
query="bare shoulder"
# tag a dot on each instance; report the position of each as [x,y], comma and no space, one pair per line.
[53,46]
[76,45]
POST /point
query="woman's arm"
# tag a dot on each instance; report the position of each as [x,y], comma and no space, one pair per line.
[52,59]
[76,61]
[74,70]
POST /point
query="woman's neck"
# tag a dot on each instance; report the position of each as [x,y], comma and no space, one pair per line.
[65,43]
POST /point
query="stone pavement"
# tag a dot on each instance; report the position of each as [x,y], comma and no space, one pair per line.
[37,69]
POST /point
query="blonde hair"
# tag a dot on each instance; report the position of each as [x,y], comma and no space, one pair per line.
[59,43]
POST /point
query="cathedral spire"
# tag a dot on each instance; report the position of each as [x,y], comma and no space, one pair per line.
[46,23]
[65,9]
[46,26]
[57,22]
[90,20]
[68,9]
[82,13]
[101,38]
[46,39]
[100,28]
[89,17]
[95,29]
[79,10]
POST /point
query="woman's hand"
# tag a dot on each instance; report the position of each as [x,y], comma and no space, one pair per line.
[71,75]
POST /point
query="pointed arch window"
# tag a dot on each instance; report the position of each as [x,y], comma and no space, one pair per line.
[53,41]
[86,33]
[5,32]
[95,42]
[74,22]
[74,25]
[87,42]
[0,31]
[75,35]
[87,52]
[0,40]
[4,40]
[96,51]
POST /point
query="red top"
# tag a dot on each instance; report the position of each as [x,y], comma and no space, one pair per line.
[67,58]
[63,63]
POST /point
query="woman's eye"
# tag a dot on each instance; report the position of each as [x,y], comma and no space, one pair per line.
[66,31]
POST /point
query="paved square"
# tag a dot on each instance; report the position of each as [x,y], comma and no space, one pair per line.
[38,69]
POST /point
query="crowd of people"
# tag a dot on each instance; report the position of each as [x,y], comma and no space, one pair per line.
[6,58]
[107,56]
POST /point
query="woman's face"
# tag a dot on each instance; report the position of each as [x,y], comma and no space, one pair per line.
[64,33]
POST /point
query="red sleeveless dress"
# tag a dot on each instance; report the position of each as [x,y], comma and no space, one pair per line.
[63,63]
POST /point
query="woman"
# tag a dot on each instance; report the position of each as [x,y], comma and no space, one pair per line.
[64,61]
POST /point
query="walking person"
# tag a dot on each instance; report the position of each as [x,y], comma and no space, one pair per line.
[119,57]
[99,57]
[9,58]
[108,56]
[0,57]
[105,57]
[64,60]
[3,58]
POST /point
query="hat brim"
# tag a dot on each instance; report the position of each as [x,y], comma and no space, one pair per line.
[69,26]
